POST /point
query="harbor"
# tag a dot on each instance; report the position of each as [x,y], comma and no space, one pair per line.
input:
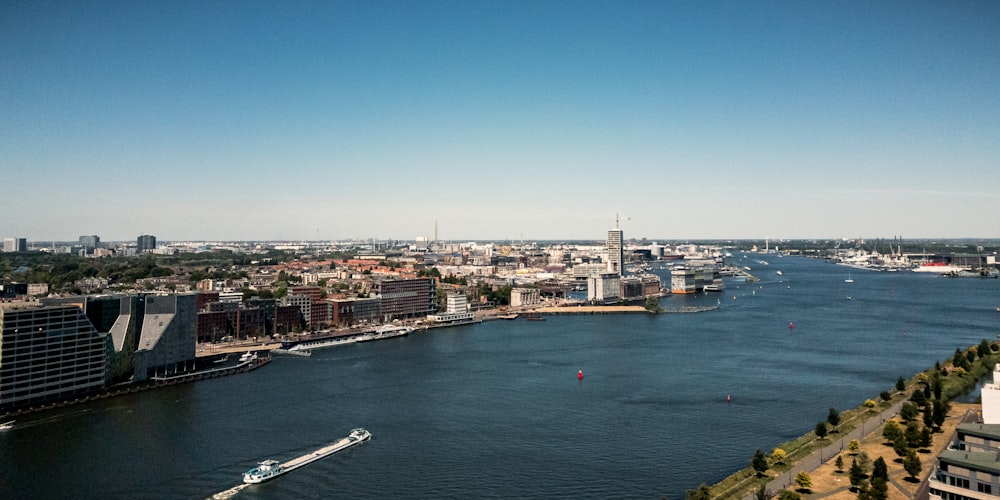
[453,397]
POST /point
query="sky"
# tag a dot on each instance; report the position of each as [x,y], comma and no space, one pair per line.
[496,120]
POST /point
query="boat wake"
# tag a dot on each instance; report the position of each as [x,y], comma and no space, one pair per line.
[230,493]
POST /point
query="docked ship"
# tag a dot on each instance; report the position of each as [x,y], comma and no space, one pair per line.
[270,469]
[387,331]
[938,268]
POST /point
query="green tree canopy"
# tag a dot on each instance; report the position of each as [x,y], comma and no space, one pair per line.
[821,430]
[833,417]
[759,462]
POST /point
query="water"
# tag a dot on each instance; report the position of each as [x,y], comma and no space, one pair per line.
[496,411]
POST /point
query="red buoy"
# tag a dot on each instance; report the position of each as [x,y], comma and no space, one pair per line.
[579,375]
[729,398]
[791,325]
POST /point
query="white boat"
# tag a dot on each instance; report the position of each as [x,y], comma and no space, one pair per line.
[779,273]
[6,426]
[270,469]
[249,356]
[327,342]
[849,279]
[387,331]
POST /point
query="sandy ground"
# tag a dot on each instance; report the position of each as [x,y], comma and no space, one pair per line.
[829,483]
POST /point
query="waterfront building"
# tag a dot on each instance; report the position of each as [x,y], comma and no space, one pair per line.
[682,280]
[303,303]
[15,245]
[354,311]
[406,298]
[584,271]
[145,243]
[457,310]
[49,353]
[990,394]
[604,288]
[692,280]
[524,297]
[970,467]
[632,287]
[168,336]
[615,251]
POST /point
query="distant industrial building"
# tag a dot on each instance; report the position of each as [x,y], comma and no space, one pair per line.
[15,245]
[145,243]
[90,243]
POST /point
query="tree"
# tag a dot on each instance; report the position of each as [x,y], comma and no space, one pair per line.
[788,495]
[983,349]
[918,398]
[891,430]
[864,490]
[941,409]
[778,455]
[908,412]
[653,305]
[854,446]
[912,435]
[885,395]
[899,446]
[856,473]
[879,469]
[759,462]
[912,465]
[839,463]
[959,360]
[803,480]
[700,493]
[879,489]
[821,430]
[900,384]
[762,493]
[925,438]
[833,417]
[928,414]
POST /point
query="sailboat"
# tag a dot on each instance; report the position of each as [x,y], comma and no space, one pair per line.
[849,279]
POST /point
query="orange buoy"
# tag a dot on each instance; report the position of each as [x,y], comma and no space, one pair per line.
[579,375]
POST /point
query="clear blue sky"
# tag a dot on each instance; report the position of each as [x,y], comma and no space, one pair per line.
[499,119]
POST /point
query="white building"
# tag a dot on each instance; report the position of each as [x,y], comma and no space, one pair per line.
[522,297]
[604,288]
[616,251]
[457,309]
[991,399]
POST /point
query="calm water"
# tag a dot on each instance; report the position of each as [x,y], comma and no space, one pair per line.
[496,411]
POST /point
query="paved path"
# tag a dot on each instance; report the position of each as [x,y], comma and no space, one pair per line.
[817,458]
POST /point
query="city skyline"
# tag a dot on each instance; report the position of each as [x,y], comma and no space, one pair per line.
[499,120]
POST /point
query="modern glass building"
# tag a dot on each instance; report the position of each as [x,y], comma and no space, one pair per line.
[49,353]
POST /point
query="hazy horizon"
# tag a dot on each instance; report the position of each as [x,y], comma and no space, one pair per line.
[512,120]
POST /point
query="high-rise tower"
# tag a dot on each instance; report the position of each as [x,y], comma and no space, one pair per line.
[616,252]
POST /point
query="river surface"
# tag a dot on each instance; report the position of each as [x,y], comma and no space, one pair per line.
[495,410]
